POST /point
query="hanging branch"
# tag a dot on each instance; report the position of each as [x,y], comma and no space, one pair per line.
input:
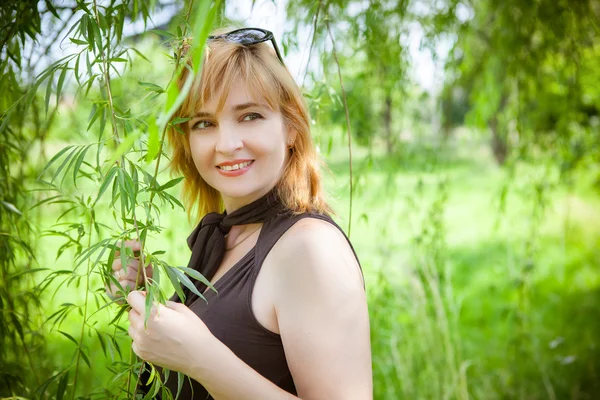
[339,71]
[312,42]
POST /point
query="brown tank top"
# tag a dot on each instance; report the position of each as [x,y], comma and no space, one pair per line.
[230,318]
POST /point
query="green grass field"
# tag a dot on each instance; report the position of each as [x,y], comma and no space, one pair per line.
[482,283]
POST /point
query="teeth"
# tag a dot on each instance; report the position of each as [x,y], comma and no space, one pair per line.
[235,166]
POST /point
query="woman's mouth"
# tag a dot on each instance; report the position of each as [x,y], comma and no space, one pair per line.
[235,169]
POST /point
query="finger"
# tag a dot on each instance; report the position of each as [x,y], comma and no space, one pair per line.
[132,270]
[116,265]
[133,245]
[136,300]
[119,274]
[128,285]
[135,349]
[177,307]
[132,332]
[149,271]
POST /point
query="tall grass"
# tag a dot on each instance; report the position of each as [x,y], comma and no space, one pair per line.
[476,289]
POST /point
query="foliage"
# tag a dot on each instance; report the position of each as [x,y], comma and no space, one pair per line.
[98,58]
[480,279]
[528,68]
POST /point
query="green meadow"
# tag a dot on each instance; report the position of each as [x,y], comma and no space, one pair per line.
[482,282]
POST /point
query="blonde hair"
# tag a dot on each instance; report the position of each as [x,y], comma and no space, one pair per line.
[300,186]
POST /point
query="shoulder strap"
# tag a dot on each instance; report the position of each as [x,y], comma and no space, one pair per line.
[276,227]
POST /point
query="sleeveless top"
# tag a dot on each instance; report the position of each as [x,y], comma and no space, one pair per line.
[229,316]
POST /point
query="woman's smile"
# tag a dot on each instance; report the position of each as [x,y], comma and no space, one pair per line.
[234,168]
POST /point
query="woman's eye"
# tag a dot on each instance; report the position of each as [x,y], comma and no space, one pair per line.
[251,117]
[201,125]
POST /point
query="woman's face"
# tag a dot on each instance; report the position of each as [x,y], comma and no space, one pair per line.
[241,150]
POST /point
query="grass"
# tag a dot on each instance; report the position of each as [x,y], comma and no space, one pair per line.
[480,285]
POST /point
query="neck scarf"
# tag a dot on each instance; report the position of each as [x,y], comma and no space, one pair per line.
[207,240]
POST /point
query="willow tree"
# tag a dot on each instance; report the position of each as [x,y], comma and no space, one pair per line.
[115,171]
[371,54]
[529,70]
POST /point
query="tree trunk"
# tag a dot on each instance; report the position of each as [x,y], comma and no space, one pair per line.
[387,123]
[499,144]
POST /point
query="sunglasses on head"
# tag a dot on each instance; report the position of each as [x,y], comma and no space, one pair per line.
[248,37]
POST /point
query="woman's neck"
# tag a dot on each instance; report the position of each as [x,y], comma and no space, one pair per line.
[240,233]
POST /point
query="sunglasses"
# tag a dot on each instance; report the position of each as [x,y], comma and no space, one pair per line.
[248,37]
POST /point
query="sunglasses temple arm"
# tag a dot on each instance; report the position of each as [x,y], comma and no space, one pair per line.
[277,51]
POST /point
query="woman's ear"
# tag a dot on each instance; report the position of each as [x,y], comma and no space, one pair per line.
[291,138]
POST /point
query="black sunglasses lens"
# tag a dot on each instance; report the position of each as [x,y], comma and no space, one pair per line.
[247,36]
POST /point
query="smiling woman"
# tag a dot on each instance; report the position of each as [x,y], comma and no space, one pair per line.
[240,149]
[289,317]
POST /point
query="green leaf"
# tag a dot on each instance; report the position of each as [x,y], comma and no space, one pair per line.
[61,80]
[107,181]
[128,185]
[153,140]
[187,282]
[175,282]
[76,69]
[51,8]
[85,357]
[88,64]
[171,183]
[136,51]
[125,146]
[74,157]
[79,41]
[180,378]
[41,390]
[102,342]
[12,208]
[62,386]
[148,304]
[48,92]
[179,120]
[196,275]
[78,164]
[71,338]
[161,32]
[171,199]
[120,23]
[97,111]
[64,163]
[151,86]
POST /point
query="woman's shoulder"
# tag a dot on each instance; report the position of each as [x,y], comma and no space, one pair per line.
[315,245]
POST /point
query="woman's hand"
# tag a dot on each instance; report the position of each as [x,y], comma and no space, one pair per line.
[129,280]
[174,337]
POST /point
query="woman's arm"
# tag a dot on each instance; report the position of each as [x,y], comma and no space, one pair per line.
[227,377]
[322,313]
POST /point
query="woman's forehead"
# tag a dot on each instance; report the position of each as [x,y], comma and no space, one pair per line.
[239,95]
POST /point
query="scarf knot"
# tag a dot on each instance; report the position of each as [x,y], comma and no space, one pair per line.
[207,240]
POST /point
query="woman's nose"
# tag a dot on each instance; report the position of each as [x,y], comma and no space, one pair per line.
[229,141]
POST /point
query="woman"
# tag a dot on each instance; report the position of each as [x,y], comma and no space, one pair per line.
[289,318]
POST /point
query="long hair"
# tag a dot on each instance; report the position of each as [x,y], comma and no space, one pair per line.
[300,187]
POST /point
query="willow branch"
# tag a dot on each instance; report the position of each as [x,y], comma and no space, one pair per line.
[339,70]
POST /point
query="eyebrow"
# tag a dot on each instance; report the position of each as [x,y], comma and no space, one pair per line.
[237,107]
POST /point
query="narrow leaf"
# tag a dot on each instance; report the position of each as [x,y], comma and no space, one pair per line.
[153,140]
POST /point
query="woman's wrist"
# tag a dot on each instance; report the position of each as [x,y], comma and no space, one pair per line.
[202,362]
